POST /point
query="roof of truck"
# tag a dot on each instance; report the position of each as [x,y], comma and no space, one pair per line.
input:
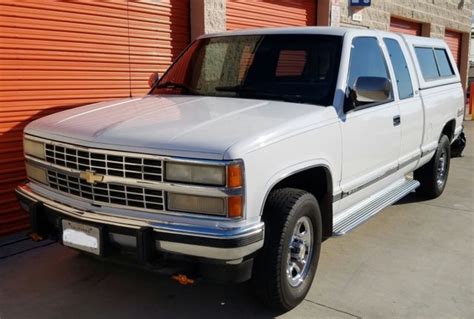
[286,30]
[421,41]
[337,31]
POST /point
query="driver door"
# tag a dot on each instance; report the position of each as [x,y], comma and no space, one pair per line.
[370,132]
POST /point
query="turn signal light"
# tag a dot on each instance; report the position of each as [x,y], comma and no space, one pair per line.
[234,175]
[234,208]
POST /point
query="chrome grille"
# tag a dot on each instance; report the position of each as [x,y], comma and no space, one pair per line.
[108,193]
[121,165]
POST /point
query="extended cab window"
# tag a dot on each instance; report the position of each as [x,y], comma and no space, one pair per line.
[402,73]
[445,68]
[295,67]
[366,60]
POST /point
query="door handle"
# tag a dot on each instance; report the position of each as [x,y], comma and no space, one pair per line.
[396,120]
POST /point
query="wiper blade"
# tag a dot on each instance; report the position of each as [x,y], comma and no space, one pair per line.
[255,91]
[235,88]
[296,98]
[171,84]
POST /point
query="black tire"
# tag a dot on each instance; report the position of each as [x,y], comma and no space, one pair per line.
[284,208]
[429,175]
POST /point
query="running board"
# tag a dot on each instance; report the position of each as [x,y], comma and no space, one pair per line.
[361,214]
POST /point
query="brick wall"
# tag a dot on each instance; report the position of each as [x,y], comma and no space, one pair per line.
[439,14]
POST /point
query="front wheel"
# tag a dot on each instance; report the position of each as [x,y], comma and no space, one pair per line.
[286,266]
[434,174]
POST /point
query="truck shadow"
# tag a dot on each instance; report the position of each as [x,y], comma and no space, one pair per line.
[66,284]
[409,199]
[156,295]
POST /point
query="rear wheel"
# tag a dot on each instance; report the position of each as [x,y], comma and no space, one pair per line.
[434,174]
[285,268]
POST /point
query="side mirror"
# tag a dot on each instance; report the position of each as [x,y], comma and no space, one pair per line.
[154,77]
[368,90]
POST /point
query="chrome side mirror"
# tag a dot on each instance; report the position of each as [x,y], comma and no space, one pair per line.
[368,90]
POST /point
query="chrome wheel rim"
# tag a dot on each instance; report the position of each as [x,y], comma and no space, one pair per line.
[442,168]
[299,252]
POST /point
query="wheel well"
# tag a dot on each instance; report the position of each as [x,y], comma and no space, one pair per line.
[448,129]
[317,181]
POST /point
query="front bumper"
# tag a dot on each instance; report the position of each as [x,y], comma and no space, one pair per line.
[231,245]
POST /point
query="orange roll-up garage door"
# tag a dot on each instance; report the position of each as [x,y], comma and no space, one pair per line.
[405,26]
[159,31]
[242,14]
[454,39]
[56,55]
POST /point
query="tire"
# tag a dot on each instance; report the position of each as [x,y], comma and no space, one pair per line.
[288,211]
[434,174]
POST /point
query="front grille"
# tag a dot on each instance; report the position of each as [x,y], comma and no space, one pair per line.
[122,165]
[108,193]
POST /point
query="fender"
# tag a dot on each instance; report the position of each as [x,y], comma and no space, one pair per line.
[428,150]
[294,169]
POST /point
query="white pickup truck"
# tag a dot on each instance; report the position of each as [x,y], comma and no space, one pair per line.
[251,149]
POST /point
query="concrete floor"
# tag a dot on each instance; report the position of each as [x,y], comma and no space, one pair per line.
[415,260]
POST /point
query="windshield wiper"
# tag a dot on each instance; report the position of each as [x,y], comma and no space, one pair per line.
[236,88]
[297,98]
[171,84]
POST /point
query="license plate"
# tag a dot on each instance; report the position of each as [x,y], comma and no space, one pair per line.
[80,236]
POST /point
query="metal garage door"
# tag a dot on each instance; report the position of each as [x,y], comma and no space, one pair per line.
[60,54]
[405,26]
[270,13]
[454,40]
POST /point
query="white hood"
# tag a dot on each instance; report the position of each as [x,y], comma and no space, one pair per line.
[187,126]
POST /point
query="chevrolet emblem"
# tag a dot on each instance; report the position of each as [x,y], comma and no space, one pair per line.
[90,177]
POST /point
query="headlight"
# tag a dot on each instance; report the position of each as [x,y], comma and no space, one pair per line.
[196,204]
[34,148]
[36,173]
[229,176]
[196,174]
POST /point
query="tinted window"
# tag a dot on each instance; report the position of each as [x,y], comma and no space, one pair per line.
[402,74]
[291,63]
[427,62]
[296,68]
[366,60]
[444,65]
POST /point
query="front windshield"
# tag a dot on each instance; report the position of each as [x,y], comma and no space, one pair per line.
[295,68]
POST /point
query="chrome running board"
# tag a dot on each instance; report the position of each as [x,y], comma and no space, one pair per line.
[357,215]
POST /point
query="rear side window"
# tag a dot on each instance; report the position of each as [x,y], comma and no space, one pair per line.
[434,63]
[363,51]
[402,74]
[445,68]
[427,62]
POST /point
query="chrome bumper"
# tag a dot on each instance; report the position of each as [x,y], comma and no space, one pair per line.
[229,244]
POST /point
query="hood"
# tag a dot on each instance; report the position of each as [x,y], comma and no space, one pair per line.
[188,126]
